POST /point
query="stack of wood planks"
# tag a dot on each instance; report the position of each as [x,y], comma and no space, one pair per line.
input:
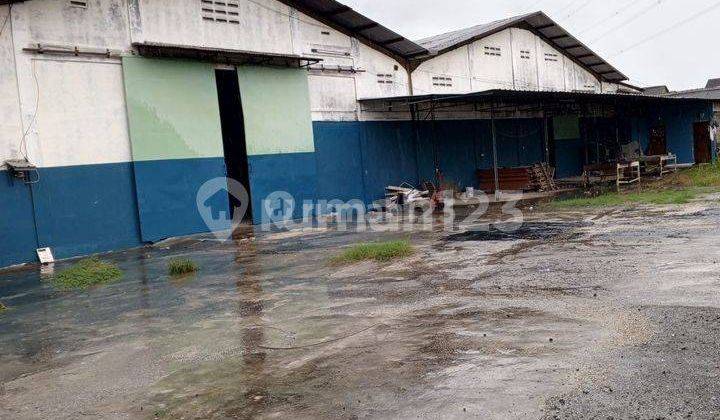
[538,177]
[511,179]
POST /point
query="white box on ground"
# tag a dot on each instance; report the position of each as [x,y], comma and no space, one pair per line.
[45,255]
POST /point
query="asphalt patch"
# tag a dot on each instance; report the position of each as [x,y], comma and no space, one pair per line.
[527,231]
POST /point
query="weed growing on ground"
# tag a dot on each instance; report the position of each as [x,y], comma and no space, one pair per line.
[705,175]
[377,251]
[181,266]
[87,273]
[678,188]
[615,199]
[3,308]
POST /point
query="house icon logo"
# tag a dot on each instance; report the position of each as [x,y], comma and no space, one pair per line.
[212,204]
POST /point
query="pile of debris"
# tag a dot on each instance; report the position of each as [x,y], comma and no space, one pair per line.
[543,177]
[406,194]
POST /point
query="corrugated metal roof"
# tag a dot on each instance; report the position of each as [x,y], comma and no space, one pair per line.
[710,94]
[540,24]
[448,40]
[347,20]
[712,83]
[532,95]
[656,90]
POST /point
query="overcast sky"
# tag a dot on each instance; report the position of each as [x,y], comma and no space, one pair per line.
[621,31]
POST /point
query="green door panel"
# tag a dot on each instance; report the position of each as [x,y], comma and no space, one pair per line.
[172,109]
[276,109]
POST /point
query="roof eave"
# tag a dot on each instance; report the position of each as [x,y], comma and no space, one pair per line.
[385,46]
[495,94]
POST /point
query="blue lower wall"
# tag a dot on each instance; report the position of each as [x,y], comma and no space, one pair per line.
[456,151]
[357,160]
[389,155]
[294,173]
[339,159]
[78,210]
[96,208]
[569,157]
[678,121]
[167,196]
[17,227]
[86,209]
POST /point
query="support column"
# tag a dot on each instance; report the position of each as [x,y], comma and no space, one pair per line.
[546,134]
[496,175]
[414,112]
[436,157]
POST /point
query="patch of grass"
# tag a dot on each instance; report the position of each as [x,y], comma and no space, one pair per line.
[615,199]
[704,175]
[160,413]
[87,273]
[678,188]
[181,266]
[377,251]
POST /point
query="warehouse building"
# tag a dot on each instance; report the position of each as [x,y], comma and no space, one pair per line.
[114,113]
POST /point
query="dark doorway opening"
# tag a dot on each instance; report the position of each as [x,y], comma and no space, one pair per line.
[658,141]
[703,149]
[233,132]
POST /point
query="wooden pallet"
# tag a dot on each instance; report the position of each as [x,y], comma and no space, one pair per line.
[628,173]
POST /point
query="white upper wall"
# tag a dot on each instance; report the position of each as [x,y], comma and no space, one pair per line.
[10,126]
[73,108]
[350,70]
[260,25]
[269,26]
[510,59]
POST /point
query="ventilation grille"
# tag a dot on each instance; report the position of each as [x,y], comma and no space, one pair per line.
[385,79]
[221,11]
[525,54]
[442,81]
[551,57]
[494,51]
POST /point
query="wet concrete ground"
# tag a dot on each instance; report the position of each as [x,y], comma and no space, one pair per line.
[604,314]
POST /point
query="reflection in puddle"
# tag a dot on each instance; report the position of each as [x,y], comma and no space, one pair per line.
[268,329]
